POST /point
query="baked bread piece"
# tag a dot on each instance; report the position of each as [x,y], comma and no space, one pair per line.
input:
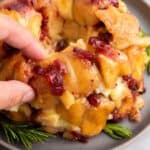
[95,68]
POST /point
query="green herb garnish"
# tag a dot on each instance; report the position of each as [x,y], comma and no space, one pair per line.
[143,33]
[148,68]
[24,133]
[148,50]
[117,131]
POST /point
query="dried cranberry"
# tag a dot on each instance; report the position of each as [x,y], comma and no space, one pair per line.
[39,70]
[115,3]
[102,41]
[98,43]
[116,116]
[143,91]
[54,74]
[44,25]
[131,82]
[100,24]
[126,78]
[94,100]
[60,134]
[105,3]
[61,44]
[103,47]
[56,83]
[94,1]
[58,67]
[78,137]
[44,29]
[133,85]
[106,37]
[83,54]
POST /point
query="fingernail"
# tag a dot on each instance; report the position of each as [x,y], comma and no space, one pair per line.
[28,96]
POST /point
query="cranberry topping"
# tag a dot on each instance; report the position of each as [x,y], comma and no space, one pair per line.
[97,43]
[116,116]
[94,100]
[132,83]
[56,83]
[55,73]
[106,37]
[58,67]
[105,3]
[103,39]
[61,44]
[99,25]
[44,26]
[78,137]
[115,3]
[83,54]
[39,70]
[60,134]
[143,91]
[102,47]
[94,1]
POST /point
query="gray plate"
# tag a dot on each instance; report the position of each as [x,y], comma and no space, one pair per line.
[103,142]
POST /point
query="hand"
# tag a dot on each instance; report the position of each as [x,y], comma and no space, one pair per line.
[15,92]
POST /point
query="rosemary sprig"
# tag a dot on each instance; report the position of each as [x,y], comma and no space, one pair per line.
[148,68]
[143,33]
[148,50]
[24,133]
[117,131]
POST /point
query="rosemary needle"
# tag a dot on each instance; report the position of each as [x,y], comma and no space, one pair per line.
[117,131]
[24,133]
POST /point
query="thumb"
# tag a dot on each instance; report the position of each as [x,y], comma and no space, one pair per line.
[13,93]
